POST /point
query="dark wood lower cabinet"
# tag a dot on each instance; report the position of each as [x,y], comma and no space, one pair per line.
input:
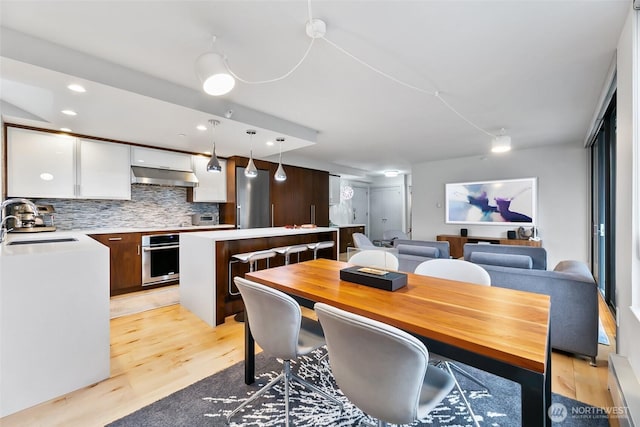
[125,258]
[226,302]
[346,237]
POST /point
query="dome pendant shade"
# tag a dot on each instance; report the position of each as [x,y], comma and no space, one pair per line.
[280,174]
[214,75]
[251,171]
[214,163]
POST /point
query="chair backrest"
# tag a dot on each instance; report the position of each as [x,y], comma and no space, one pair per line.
[394,234]
[377,258]
[274,318]
[362,241]
[454,269]
[378,367]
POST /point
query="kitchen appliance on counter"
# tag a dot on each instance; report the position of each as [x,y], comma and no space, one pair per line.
[203,219]
[252,198]
[160,258]
[29,221]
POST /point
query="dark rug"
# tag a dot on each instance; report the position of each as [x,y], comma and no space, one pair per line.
[207,402]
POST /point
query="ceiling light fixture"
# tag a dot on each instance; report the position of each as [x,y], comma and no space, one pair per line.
[65,129]
[213,73]
[391,174]
[251,171]
[69,112]
[280,174]
[76,88]
[201,127]
[501,143]
[214,163]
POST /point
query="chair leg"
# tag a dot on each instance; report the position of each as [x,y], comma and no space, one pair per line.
[466,402]
[317,390]
[287,376]
[255,395]
[467,374]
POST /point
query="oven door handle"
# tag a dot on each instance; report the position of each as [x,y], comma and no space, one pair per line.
[157,248]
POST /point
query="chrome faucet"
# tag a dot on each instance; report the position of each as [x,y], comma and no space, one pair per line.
[3,205]
[3,226]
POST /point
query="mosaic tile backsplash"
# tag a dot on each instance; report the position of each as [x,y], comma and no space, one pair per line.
[150,206]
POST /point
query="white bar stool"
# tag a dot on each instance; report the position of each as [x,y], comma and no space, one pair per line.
[288,250]
[315,247]
[247,257]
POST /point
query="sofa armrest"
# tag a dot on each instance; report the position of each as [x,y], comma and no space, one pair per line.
[577,269]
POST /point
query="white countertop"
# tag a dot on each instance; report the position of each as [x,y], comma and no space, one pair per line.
[113,230]
[81,244]
[250,233]
[348,225]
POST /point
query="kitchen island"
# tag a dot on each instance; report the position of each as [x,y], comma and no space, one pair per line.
[204,264]
[54,317]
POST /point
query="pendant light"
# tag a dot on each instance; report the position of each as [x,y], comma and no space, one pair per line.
[251,171]
[214,163]
[280,174]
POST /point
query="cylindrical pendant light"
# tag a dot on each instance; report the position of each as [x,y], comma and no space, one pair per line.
[214,75]
[280,174]
[251,171]
[214,163]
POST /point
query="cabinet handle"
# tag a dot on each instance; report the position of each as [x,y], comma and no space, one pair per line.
[272,218]
[138,250]
[114,239]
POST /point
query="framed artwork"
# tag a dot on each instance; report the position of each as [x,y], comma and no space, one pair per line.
[505,202]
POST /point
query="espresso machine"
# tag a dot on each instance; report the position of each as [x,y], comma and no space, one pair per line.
[29,222]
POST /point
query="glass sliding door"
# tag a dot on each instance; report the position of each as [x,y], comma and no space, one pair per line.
[603,170]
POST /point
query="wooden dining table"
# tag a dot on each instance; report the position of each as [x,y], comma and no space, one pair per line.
[498,330]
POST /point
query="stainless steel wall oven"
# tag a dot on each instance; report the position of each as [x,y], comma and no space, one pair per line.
[160,258]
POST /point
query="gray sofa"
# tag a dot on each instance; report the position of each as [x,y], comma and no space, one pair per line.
[573,291]
[413,252]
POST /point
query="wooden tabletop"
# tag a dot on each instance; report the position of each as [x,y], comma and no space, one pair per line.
[503,324]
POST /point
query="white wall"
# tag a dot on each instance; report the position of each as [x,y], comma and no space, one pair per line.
[563,189]
[627,198]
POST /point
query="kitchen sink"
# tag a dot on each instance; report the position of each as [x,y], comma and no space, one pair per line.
[36,241]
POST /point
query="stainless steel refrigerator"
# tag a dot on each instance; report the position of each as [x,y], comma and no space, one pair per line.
[252,200]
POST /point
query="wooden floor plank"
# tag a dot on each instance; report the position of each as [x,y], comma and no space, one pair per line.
[157,352]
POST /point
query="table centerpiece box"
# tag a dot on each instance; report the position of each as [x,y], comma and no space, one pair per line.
[374,277]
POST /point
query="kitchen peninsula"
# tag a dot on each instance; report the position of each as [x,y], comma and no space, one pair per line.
[54,317]
[204,264]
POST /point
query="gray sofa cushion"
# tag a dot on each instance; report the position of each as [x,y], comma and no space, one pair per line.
[424,251]
[538,255]
[505,260]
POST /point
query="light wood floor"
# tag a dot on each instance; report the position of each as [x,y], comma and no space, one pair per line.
[160,351]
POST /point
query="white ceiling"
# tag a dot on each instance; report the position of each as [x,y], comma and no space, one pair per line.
[534,68]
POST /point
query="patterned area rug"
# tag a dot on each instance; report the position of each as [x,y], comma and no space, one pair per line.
[207,402]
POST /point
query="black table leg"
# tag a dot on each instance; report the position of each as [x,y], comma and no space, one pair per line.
[536,399]
[249,355]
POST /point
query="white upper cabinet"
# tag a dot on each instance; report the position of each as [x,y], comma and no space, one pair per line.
[212,187]
[104,170]
[56,166]
[334,190]
[40,164]
[151,158]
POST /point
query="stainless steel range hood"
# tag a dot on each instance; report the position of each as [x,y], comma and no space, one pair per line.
[163,177]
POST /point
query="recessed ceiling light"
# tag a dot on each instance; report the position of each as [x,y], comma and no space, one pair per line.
[269,143]
[391,174]
[76,88]
[69,112]
[208,153]
[181,135]
[201,127]
[65,129]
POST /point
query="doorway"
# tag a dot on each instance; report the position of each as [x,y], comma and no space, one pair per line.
[360,206]
[386,210]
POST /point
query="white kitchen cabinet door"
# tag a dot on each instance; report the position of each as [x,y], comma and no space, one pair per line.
[212,187]
[40,164]
[150,158]
[104,170]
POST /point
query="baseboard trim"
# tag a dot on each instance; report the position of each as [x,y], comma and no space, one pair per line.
[625,390]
